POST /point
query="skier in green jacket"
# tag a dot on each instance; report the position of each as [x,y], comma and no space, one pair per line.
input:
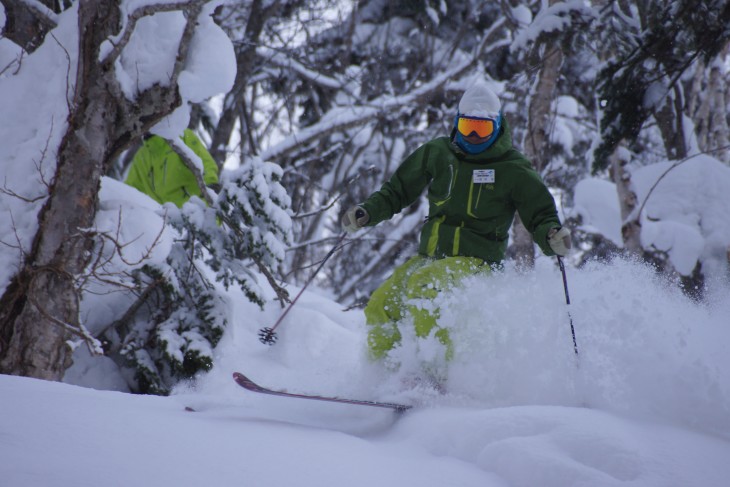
[158,171]
[475,181]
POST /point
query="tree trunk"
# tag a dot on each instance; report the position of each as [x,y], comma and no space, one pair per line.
[713,132]
[540,121]
[536,141]
[44,302]
[670,120]
[631,226]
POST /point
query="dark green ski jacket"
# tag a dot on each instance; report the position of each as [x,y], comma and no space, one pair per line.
[472,198]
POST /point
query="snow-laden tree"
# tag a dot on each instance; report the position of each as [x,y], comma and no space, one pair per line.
[170,330]
[115,89]
[649,47]
[655,56]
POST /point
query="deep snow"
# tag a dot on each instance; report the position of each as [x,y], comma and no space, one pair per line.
[646,404]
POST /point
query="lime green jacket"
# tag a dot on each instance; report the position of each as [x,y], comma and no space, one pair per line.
[159,172]
[472,198]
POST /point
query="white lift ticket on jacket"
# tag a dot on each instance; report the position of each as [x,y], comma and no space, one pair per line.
[482,176]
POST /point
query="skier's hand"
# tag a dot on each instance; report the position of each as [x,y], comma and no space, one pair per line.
[354,219]
[559,240]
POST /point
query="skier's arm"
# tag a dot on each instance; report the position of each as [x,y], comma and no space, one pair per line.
[401,190]
[536,207]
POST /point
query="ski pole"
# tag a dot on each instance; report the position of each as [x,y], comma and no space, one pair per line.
[268,335]
[567,301]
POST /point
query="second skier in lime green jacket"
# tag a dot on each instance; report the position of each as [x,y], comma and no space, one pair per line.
[159,172]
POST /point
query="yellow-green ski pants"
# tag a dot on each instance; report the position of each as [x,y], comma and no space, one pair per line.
[416,279]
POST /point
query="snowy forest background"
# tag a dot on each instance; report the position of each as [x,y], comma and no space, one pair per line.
[308,106]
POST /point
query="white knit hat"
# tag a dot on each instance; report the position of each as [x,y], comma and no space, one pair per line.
[479,101]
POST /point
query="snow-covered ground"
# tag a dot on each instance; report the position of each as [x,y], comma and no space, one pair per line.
[646,404]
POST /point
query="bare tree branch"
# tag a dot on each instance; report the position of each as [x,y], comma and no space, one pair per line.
[343,118]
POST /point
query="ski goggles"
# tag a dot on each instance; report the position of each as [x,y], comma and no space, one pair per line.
[483,127]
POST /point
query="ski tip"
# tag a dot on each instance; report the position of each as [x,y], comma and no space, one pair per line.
[245,382]
[240,378]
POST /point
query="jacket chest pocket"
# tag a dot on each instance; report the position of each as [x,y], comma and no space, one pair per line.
[442,185]
[483,201]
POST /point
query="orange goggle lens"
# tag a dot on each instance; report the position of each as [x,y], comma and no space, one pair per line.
[482,126]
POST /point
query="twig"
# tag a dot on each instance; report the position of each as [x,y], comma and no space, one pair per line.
[673,166]
[68,73]
[132,310]
[92,343]
[98,269]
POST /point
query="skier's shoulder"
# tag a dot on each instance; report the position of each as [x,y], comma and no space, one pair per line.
[437,146]
[516,161]
[442,143]
[427,153]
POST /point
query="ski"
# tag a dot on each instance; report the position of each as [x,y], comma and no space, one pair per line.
[250,385]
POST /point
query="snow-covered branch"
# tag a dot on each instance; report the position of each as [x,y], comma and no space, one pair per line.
[26,23]
[193,162]
[552,19]
[637,214]
[41,10]
[192,9]
[283,61]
